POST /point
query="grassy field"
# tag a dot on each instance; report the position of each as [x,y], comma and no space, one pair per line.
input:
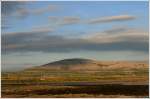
[133,75]
[108,83]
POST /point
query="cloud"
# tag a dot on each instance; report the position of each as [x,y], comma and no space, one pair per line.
[112,19]
[16,38]
[118,35]
[8,7]
[41,29]
[48,8]
[117,29]
[13,8]
[5,27]
[67,20]
[19,9]
[23,12]
[53,18]
[44,42]
[70,20]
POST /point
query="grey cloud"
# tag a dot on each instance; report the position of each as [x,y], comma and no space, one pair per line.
[34,42]
[7,10]
[8,7]
[17,39]
[19,9]
[23,12]
[117,30]
[112,19]
[14,8]
[5,27]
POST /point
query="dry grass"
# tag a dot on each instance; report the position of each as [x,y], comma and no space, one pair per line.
[37,82]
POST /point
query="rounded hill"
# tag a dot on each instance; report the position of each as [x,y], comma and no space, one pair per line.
[73,61]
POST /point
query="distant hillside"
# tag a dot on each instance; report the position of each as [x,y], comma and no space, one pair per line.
[78,64]
[73,61]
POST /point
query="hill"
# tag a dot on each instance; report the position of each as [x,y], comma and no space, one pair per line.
[79,64]
[73,61]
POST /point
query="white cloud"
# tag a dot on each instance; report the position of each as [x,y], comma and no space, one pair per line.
[111,19]
[119,35]
[69,20]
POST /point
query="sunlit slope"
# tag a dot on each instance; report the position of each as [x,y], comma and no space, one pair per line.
[77,64]
[84,70]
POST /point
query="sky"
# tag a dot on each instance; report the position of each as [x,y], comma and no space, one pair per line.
[36,33]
